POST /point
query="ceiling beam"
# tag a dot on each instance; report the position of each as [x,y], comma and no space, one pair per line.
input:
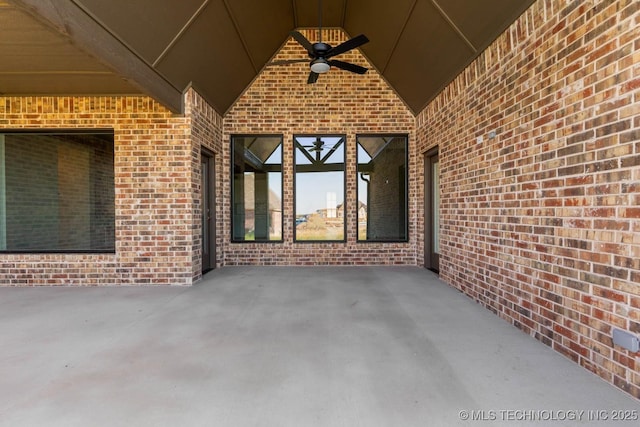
[295,14]
[180,33]
[83,31]
[400,31]
[240,35]
[452,24]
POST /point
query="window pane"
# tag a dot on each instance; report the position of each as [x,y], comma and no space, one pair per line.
[257,188]
[57,192]
[319,181]
[382,188]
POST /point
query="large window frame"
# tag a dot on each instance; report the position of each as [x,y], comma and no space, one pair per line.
[71,200]
[311,148]
[376,145]
[255,161]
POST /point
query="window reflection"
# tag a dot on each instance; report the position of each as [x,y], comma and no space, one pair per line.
[319,188]
[57,191]
[257,188]
[382,188]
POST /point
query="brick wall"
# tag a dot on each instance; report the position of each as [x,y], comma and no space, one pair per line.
[156,160]
[541,224]
[281,102]
[206,133]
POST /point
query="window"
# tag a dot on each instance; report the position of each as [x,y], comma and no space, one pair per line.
[382,188]
[319,188]
[57,191]
[256,193]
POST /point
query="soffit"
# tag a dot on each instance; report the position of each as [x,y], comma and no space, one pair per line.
[36,59]
[161,47]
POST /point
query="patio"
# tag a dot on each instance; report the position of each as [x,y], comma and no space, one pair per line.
[280,346]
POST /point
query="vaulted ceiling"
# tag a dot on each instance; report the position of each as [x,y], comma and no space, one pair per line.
[161,47]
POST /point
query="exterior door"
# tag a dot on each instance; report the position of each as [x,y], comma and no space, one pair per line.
[207,186]
[432,211]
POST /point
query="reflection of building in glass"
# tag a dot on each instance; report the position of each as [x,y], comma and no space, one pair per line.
[256,194]
[57,191]
[319,187]
[382,173]
[331,204]
[362,211]
[272,207]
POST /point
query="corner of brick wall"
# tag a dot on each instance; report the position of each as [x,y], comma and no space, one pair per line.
[206,134]
[154,203]
[541,224]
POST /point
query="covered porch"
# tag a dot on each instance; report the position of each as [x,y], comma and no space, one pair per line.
[283,346]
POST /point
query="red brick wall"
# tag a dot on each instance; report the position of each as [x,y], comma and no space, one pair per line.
[281,102]
[156,162]
[206,133]
[541,224]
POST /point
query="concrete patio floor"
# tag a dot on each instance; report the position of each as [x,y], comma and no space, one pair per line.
[280,346]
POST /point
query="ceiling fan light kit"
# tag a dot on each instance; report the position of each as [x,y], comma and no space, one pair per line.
[320,66]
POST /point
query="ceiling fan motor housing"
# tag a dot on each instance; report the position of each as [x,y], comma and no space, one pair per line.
[320,49]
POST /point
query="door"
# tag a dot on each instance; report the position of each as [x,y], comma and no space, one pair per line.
[432,211]
[207,186]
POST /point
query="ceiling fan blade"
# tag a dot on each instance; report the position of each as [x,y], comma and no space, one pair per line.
[303,41]
[313,77]
[347,46]
[348,66]
[288,61]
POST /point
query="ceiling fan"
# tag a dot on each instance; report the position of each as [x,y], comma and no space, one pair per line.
[317,145]
[320,53]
